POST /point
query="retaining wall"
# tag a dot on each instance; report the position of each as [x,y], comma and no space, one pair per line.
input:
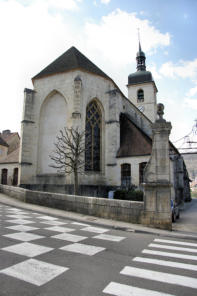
[128,211]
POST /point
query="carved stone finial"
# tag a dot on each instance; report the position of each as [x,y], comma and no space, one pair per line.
[160,111]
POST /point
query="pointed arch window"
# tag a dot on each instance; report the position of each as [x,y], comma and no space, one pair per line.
[140,95]
[93,137]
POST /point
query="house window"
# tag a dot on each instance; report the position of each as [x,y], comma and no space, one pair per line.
[140,96]
[93,137]
[142,166]
[126,175]
[15,177]
[4,176]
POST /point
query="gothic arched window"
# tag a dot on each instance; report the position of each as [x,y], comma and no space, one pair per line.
[93,137]
[140,95]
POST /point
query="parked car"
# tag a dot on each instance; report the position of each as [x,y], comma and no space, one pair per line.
[175,211]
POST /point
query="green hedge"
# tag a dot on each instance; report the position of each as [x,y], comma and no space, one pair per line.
[135,195]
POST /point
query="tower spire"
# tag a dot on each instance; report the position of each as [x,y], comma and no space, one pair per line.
[141,58]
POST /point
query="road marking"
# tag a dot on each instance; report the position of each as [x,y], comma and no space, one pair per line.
[34,271]
[69,237]
[95,229]
[60,229]
[19,221]
[173,248]
[22,228]
[160,276]
[108,237]
[166,263]
[83,249]
[125,290]
[167,254]
[27,249]
[24,236]
[175,242]
[47,218]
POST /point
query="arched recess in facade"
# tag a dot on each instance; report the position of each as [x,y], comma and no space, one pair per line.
[53,117]
[94,126]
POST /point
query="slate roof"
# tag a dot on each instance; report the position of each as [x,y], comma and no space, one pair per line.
[70,60]
[133,141]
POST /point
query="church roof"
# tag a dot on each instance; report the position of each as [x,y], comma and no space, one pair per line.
[140,77]
[70,60]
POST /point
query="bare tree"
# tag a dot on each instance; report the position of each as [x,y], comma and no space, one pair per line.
[69,153]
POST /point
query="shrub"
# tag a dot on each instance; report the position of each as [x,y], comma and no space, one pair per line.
[132,194]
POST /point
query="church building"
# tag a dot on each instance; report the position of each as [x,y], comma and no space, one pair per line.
[73,92]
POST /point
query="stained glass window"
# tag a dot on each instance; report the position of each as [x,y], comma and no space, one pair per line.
[93,137]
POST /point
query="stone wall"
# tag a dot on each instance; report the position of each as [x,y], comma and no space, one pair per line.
[128,211]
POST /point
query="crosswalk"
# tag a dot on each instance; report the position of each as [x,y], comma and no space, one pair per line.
[176,262]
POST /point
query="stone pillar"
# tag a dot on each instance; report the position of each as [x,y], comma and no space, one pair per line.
[76,115]
[112,138]
[27,127]
[157,187]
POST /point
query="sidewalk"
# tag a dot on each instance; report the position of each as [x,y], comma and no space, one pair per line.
[4,199]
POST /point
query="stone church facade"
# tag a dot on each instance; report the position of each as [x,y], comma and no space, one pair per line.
[74,92]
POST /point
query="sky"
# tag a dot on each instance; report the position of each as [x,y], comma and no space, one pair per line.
[35,32]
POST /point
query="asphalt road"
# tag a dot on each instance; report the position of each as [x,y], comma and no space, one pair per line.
[46,255]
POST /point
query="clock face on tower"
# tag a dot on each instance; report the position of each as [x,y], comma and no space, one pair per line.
[141,108]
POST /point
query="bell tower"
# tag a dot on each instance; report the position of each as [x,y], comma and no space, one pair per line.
[142,90]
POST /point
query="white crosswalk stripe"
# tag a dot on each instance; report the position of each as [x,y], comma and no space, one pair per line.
[173,248]
[166,263]
[161,276]
[175,242]
[125,290]
[167,254]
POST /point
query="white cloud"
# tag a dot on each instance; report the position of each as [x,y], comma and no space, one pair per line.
[192,91]
[115,37]
[105,1]
[191,103]
[63,4]
[183,69]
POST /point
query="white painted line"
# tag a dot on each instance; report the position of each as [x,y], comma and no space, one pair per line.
[83,249]
[95,229]
[80,224]
[167,254]
[175,242]
[19,221]
[69,237]
[53,222]
[34,271]
[22,228]
[23,236]
[125,290]
[27,249]
[173,248]
[160,277]
[108,237]
[60,229]
[47,218]
[166,263]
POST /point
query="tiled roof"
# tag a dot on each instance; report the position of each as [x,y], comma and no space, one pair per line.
[12,157]
[70,60]
[2,142]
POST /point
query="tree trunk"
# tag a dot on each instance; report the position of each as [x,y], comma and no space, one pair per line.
[76,186]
